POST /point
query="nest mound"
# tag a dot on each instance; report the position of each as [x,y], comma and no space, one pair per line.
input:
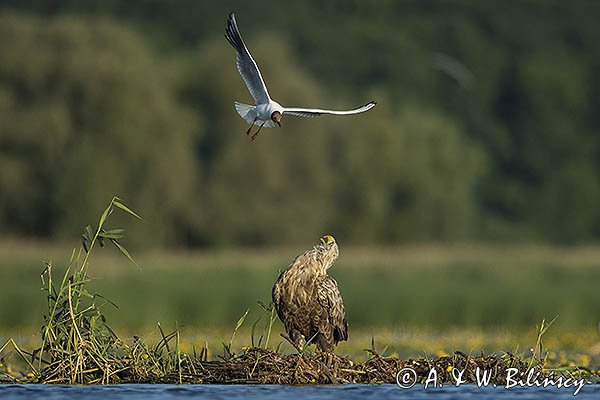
[260,366]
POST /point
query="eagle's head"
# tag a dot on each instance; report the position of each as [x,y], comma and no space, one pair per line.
[327,240]
[329,251]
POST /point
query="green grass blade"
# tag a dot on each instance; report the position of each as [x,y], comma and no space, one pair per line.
[128,210]
[124,251]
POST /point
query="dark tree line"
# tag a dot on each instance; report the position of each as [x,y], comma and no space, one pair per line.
[486,128]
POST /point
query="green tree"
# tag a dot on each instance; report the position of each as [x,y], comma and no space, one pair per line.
[87,112]
[408,175]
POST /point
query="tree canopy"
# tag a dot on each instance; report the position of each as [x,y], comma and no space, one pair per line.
[486,125]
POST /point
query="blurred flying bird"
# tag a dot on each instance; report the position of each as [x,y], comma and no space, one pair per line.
[267,112]
[308,300]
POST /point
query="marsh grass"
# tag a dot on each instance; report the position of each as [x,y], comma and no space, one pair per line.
[77,344]
[263,338]
[227,353]
[537,352]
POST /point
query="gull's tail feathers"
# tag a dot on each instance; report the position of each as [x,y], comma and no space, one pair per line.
[244,111]
[247,113]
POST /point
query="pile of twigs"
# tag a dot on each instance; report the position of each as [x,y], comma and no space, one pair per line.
[260,366]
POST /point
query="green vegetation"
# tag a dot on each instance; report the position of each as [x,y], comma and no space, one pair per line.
[439,287]
[76,343]
[411,301]
[485,129]
[78,346]
[86,113]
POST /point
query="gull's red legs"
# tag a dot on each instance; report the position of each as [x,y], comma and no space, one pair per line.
[251,125]
[259,128]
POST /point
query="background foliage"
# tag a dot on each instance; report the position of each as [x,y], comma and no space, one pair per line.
[486,128]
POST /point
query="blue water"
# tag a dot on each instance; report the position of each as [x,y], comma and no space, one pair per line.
[169,392]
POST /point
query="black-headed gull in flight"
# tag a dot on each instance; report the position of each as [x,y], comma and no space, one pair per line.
[267,112]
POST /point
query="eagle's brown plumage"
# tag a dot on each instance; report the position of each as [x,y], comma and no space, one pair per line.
[308,300]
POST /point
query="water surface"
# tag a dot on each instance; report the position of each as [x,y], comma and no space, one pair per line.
[171,392]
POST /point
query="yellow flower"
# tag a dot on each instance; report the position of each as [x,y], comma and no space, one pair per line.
[450,368]
[30,375]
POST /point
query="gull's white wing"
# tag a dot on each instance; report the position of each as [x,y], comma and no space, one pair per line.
[316,112]
[245,63]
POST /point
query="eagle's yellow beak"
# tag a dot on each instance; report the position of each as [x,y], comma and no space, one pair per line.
[327,239]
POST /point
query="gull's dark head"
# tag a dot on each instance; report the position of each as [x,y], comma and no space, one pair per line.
[276,117]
